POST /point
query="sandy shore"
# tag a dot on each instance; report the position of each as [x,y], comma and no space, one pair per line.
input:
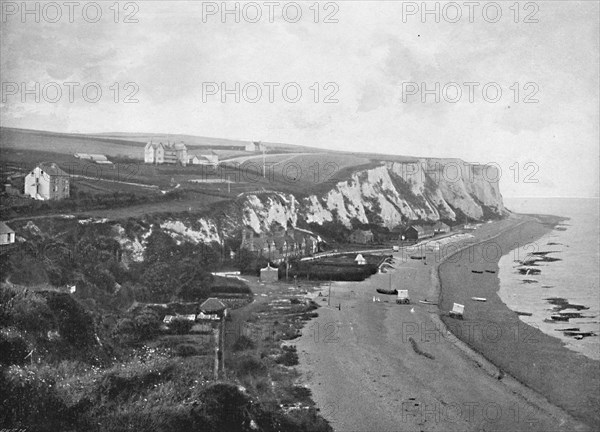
[366,373]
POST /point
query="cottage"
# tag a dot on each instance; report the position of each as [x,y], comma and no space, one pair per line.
[360,260]
[206,159]
[7,235]
[213,306]
[361,236]
[441,228]
[417,232]
[269,274]
[255,146]
[47,182]
[281,243]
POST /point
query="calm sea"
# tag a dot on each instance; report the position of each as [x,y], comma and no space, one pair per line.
[575,277]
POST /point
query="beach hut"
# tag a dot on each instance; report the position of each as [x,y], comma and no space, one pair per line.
[403,297]
[269,274]
[457,311]
[360,260]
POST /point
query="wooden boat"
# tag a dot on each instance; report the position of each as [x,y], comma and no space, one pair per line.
[559,317]
[490,271]
[582,334]
[477,271]
[427,302]
[523,313]
[387,291]
[529,271]
[479,299]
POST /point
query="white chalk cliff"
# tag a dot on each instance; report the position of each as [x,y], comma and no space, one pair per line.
[389,195]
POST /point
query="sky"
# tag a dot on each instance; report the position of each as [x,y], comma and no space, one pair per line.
[361,68]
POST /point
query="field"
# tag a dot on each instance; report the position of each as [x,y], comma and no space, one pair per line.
[297,170]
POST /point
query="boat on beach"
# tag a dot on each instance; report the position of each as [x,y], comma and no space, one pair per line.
[387,291]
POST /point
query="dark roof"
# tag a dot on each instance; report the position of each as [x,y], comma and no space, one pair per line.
[52,169]
[212,305]
[5,229]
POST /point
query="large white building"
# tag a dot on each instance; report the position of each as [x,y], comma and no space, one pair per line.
[165,153]
[47,182]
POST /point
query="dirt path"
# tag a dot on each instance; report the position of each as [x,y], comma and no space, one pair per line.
[366,375]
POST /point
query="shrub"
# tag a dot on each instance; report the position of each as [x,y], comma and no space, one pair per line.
[186,350]
[13,349]
[289,357]
[243,343]
[181,326]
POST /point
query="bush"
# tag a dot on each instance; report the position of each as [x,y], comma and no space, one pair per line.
[243,343]
[186,350]
[181,326]
[289,357]
[13,349]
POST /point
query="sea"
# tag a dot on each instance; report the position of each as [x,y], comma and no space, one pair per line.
[575,277]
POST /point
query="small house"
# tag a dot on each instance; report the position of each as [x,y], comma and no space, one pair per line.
[360,260]
[47,182]
[7,235]
[213,306]
[269,274]
[361,236]
[441,228]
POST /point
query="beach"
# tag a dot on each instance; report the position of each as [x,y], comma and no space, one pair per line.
[376,365]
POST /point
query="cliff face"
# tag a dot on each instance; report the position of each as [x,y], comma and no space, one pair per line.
[388,195]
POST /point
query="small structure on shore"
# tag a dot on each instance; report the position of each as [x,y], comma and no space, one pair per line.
[269,274]
[457,311]
[360,260]
[403,297]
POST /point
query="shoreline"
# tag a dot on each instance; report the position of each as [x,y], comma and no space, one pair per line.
[372,376]
[513,349]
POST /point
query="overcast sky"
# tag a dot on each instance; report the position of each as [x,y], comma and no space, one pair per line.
[367,54]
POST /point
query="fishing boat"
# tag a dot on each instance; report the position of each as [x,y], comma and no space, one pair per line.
[479,299]
[387,291]
[559,317]
[477,271]
[523,313]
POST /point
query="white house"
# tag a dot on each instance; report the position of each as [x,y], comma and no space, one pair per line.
[255,146]
[169,153]
[7,235]
[47,182]
[206,159]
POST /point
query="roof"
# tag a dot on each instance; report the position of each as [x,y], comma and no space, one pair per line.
[52,169]
[212,305]
[268,268]
[5,229]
